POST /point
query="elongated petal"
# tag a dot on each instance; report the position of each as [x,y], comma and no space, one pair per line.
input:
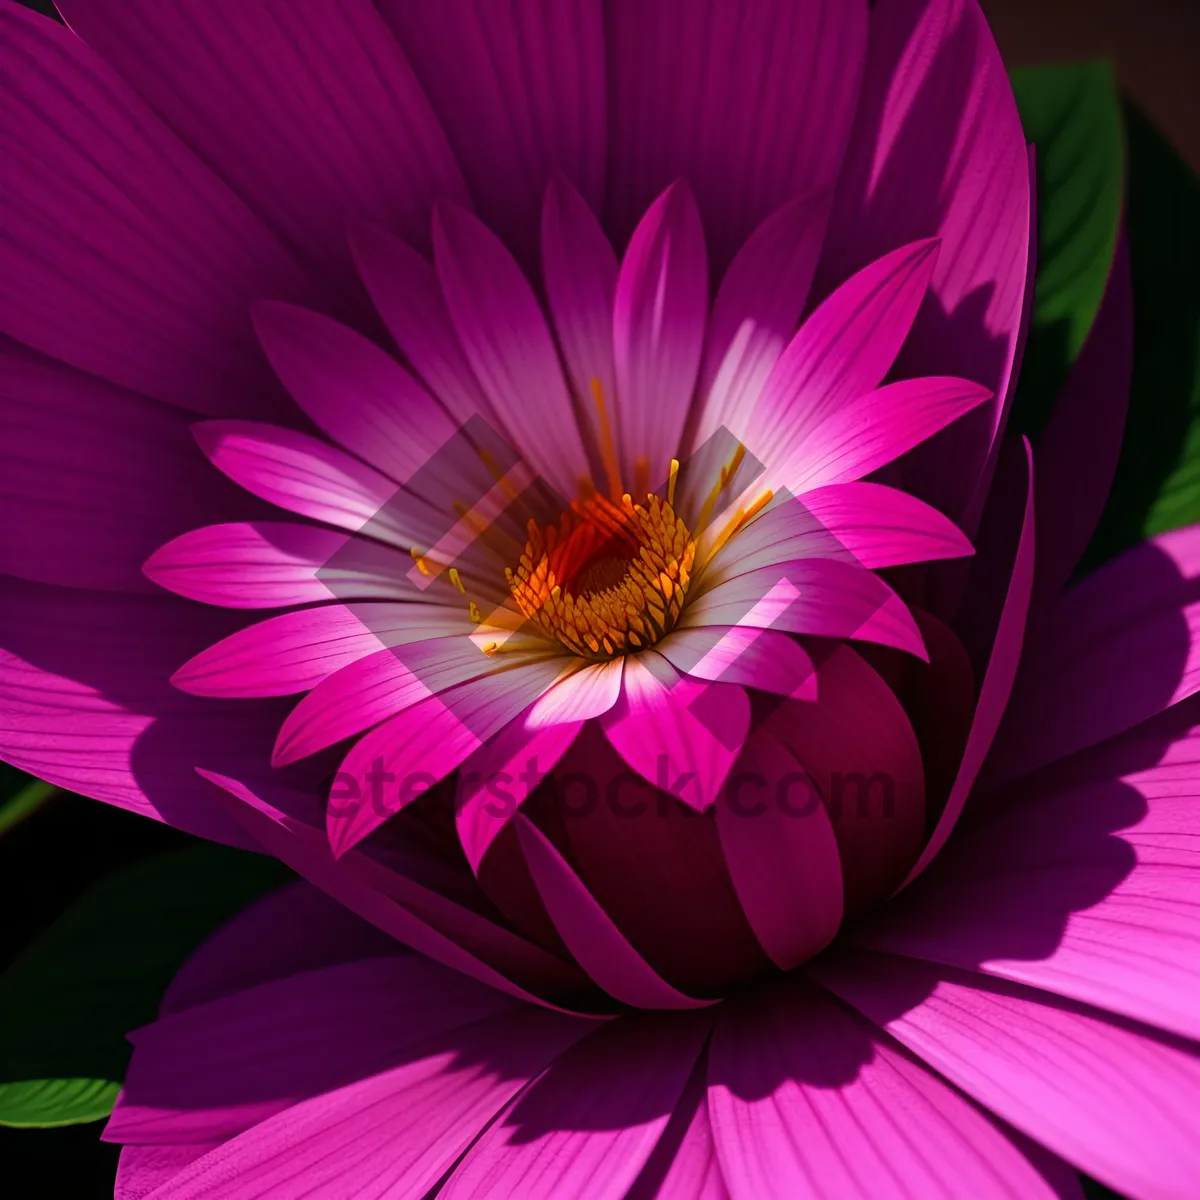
[1097,1093]
[521,93]
[842,352]
[588,1125]
[589,933]
[662,714]
[395,1133]
[1118,648]
[95,477]
[807,1098]
[508,344]
[755,658]
[752,106]
[310,115]
[143,1169]
[659,313]
[756,312]
[125,256]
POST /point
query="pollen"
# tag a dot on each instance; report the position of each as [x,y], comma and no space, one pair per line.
[610,578]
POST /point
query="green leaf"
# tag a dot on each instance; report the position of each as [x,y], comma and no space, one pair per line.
[24,803]
[1157,486]
[1072,115]
[98,972]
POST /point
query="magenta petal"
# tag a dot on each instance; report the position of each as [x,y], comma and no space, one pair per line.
[782,854]
[505,337]
[937,150]
[756,312]
[842,352]
[273,564]
[807,1098]
[1099,906]
[1096,1093]
[997,686]
[754,658]
[751,105]
[1116,649]
[212,1071]
[354,392]
[521,93]
[1078,450]
[394,1134]
[586,1127]
[124,255]
[309,115]
[95,477]
[659,313]
[665,715]
[142,1169]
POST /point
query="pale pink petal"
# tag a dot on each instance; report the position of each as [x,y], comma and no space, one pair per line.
[273,564]
[1095,1092]
[937,150]
[586,1127]
[394,1134]
[521,93]
[662,713]
[309,114]
[587,693]
[754,658]
[295,651]
[123,254]
[782,854]
[659,313]
[756,312]
[842,352]
[752,105]
[996,689]
[508,344]
[808,1099]
[1116,649]
[874,429]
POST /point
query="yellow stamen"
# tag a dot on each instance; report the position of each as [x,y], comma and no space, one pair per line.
[608,445]
[422,565]
[473,612]
[456,579]
[672,479]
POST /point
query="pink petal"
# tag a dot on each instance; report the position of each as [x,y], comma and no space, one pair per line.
[95,477]
[807,1098]
[587,693]
[858,746]
[395,1133]
[663,714]
[873,430]
[1096,1093]
[508,344]
[819,596]
[309,116]
[405,289]
[782,855]
[937,149]
[1099,905]
[996,689]
[588,1125]
[296,651]
[1078,450]
[753,107]
[215,1070]
[754,658]
[429,740]
[124,255]
[356,881]
[580,270]
[354,392]
[842,352]
[1116,649]
[659,312]
[272,564]
[589,932]
[520,92]
[756,312]
[142,1169]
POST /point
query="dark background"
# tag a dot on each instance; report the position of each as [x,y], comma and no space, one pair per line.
[70,843]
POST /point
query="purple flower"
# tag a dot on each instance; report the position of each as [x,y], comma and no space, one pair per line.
[589,393]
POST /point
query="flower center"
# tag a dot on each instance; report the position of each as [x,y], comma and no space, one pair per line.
[610,578]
